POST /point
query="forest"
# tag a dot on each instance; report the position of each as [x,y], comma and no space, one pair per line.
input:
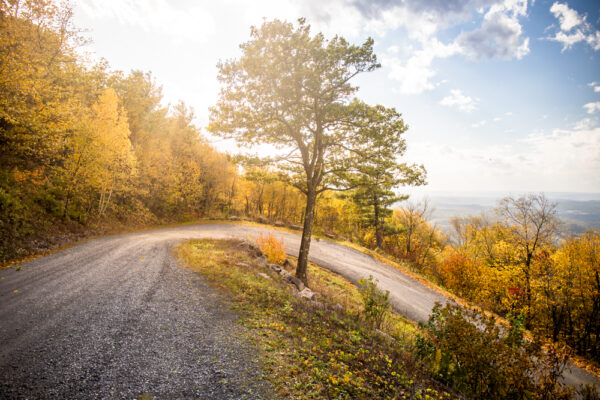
[87,150]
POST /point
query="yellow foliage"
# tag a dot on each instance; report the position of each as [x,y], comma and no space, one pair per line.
[272,248]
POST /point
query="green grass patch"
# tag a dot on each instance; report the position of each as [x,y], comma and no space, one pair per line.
[310,350]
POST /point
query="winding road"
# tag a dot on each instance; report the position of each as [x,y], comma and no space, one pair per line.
[116,317]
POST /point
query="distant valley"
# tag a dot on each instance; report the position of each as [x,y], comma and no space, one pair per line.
[578,211]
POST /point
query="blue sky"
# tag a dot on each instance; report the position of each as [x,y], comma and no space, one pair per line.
[499,95]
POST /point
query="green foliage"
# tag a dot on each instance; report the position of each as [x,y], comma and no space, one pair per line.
[375,301]
[483,360]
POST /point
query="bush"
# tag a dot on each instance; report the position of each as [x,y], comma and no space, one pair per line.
[375,301]
[483,360]
[272,249]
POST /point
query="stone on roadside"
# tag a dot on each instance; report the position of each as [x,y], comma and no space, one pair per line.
[275,268]
[307,294]
[294,281]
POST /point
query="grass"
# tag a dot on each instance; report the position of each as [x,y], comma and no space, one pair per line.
[313,350]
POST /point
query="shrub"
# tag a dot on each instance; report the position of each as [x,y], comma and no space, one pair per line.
[272,249]
[375,301]
[483,360]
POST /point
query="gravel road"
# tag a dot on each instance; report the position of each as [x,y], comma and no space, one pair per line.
[116,317]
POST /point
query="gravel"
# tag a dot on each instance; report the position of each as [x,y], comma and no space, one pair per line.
[118,319]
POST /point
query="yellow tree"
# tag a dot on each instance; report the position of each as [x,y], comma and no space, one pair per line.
[531,224]
[101,161]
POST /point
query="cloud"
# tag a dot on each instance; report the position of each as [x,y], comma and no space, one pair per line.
[500,34]
[592,108]
[586,123]
[567,17]
[574,28]
[479,124]
[559,160]
[415,74]
[594,86]
[458,100]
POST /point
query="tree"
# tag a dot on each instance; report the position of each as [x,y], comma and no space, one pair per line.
[101,157]
[38,69]
[532,224]
[292,90]
[381,173]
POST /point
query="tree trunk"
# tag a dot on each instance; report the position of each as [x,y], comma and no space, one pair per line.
[311,199]
[378,225]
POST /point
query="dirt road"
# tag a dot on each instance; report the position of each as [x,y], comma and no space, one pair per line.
[115,317]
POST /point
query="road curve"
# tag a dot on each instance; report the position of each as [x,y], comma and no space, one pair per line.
[98,309]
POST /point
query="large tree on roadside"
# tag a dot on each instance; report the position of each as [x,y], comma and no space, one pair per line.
[292,90]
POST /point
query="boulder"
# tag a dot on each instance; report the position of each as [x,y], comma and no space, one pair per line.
[289,278]
[306,293]
[275,268]
[295,227]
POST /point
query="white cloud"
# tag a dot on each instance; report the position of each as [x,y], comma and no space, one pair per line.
[586,123]
[416,73]
[594,86]
[560,160]
[496,119]
[458,100]
[500,34]
[593,40]
[574,28]
[567,17]
[592,108]
[479,124]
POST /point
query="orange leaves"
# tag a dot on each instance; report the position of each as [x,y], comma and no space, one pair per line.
[272,248]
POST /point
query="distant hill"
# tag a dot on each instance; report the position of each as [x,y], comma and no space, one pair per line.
[578,211]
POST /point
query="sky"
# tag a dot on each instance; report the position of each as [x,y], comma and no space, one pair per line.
[499,95]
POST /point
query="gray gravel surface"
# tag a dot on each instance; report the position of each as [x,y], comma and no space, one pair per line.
[116,317]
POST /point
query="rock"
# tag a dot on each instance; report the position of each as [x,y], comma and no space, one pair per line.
[288,263]
[329,235]
[294,281]
[278,224]
[267,277]
[284,274]
[261,220]
[306,293]
[338,307]
[234,218]
[385,335]
[275,268]
[295,227]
